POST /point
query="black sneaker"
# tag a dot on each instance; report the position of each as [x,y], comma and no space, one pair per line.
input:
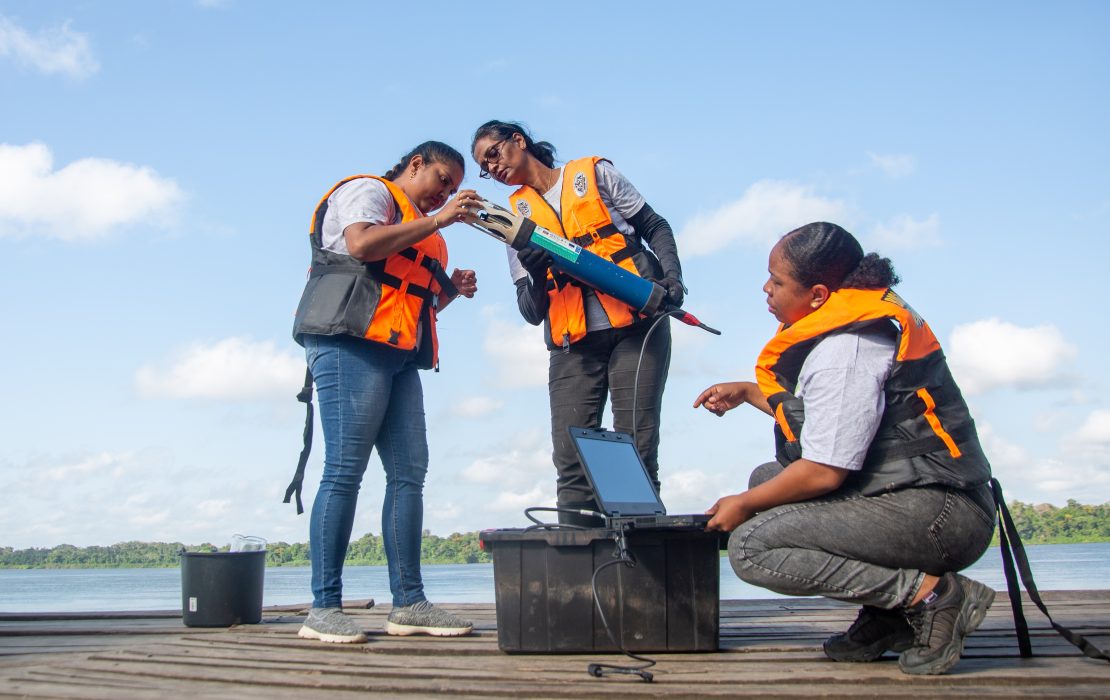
[874,632]
[941,625]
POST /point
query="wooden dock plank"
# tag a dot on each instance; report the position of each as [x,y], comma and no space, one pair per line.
[769,648]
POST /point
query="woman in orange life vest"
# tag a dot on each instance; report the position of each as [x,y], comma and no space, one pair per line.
[367,321]
[594,340]
[880,491]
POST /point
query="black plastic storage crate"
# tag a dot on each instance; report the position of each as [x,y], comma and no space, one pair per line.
[668,601]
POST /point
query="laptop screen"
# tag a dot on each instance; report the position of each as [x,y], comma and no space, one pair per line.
[616,472]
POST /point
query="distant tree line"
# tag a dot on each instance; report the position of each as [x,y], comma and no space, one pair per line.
[1072,524]
[1037,524]
[365,551]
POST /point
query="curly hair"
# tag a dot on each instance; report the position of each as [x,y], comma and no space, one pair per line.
[824,253]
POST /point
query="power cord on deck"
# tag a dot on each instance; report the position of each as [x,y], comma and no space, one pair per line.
[598,670]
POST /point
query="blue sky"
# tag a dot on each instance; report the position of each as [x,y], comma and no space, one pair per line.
[159,163]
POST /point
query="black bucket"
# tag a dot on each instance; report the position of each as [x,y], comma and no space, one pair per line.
[220,589]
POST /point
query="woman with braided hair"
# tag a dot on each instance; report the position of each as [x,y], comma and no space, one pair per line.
[880,490]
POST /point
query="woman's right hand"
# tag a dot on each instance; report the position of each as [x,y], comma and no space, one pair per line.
[463,207]
[726,396]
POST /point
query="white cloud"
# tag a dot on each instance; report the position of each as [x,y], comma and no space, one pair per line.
[155,517]
[690,486]
[57,50]
[904,232]
[516,350]
[999,451]
[487,470]
[1071,471]
[515,502]
[893,165]
[519,468]
[988,354]
[212,508]
[514,463]
[765,211]
[87,199]
[1049,421]
[231,369]
[1095,430]
[88,464]
[476,406]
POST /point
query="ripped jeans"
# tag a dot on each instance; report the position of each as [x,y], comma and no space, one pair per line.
[870,550]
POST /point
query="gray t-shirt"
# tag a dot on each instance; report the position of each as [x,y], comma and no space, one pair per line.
[841,384]
[623,201]
[362,200]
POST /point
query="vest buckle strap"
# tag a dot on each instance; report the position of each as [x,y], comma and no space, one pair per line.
[586,239]
[624,253]
[440,275]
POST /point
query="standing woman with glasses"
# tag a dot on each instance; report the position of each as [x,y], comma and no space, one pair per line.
[367,321]
[594,339]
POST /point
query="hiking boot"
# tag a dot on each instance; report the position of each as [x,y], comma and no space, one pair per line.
[331,625]
[942,622]
[875,631]
[425,618]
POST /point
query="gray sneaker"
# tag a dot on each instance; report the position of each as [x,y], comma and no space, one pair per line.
[331,625]
[425,618]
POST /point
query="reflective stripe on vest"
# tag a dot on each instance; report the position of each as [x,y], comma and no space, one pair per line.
[922,400]
[410,279]
[585,220]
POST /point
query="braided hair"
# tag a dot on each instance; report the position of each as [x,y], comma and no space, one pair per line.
[543,151]
[429,152]
[824,253]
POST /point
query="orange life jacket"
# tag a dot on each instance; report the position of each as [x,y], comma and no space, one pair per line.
[391,301]
[926,436]
[585,220]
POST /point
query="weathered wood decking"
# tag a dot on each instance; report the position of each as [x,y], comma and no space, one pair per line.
[769,648]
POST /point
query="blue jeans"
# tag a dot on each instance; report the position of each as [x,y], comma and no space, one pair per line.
[369,396]
[871,550]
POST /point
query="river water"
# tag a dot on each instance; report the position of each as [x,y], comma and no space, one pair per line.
[1055,567]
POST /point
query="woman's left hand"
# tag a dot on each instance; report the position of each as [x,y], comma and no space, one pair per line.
[466,281]
[729,513]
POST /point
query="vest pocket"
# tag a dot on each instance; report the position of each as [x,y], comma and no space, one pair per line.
[337,304]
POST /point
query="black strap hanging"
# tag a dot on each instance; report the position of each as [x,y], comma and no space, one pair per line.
[1013,549]
[304,396]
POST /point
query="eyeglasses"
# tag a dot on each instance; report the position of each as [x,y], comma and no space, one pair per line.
[493,154]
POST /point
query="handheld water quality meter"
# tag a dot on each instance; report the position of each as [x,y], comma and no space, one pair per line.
[520,232]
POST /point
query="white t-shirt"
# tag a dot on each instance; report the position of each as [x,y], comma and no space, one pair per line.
[362,200]
[841,383]
[623,201]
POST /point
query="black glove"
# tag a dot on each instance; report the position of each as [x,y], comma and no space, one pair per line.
[536,261]
[675,291]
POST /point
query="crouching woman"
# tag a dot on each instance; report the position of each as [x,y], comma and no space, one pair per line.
[879,493]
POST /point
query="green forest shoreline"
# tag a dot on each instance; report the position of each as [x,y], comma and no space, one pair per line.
[1075,523]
